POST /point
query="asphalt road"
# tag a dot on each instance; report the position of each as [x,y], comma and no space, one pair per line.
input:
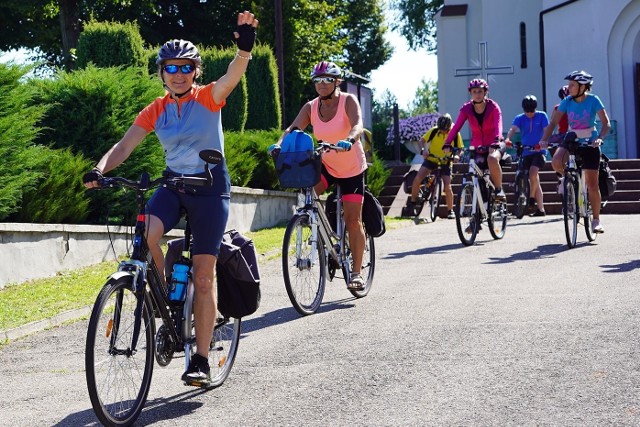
[520,331]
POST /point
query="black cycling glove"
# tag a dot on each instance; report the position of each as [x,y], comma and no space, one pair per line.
[94,175]
[246,37]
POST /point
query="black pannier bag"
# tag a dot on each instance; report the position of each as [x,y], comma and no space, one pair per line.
[373,215]
[238,276]
[606,180]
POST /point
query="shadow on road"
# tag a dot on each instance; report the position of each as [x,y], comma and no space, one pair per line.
[424,251]
[543,251]
[625,267]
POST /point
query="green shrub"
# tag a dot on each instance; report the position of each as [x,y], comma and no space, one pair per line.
[90,110]
[214,65]
[19,116]
[110,44]
[377,175]
[58,196]
[262,86]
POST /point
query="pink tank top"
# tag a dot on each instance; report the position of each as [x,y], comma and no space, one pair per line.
[338,164]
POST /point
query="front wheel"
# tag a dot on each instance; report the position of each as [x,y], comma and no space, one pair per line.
[467,222]
[434,199]
[119,352]
[588,220]
[303,265]
[368,263]
[498,215]
[570,210]
[521,195]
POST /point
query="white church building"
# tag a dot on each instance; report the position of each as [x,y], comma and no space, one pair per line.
[527,47]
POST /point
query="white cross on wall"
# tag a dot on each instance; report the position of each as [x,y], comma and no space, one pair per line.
[484,70]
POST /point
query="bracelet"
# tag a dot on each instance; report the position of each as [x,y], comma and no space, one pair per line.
[248,58]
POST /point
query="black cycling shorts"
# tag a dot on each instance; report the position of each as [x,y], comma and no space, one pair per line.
[589,156]
[353,185]
[431,165]
[536,160]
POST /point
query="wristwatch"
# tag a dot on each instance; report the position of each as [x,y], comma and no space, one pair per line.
[351,140]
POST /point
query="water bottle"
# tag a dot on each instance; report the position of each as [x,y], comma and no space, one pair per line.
[179,279]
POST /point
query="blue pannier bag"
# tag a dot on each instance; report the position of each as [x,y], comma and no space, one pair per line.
[297,164]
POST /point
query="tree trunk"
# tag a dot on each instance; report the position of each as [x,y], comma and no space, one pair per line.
[70,30]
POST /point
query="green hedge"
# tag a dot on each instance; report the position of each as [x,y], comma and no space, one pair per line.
[262,84]
[110,44]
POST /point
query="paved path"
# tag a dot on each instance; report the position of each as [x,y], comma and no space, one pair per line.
[515,332]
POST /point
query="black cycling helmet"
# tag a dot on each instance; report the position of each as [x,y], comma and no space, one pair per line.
[563,92]
[179,49]
[529,104]
[444,122]
[581,77]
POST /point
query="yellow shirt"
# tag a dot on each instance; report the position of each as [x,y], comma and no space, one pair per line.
[437,142]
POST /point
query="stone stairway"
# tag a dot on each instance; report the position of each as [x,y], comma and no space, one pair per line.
[626,199]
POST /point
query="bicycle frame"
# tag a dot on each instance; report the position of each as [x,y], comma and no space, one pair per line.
[474,173]
[320,226]
[574,169]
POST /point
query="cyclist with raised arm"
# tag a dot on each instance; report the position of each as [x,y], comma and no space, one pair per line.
[187,120]
[485,121]
[336,118]
[531,124]
[432,150]
[581,108]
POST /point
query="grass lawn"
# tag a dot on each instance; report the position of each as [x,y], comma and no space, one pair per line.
[42,298]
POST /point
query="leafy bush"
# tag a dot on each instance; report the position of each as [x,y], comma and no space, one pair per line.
[64,200]
[110,44]
[377,175]
[249,163]
[19,116]
[214,65]
[262,86]
[90,110]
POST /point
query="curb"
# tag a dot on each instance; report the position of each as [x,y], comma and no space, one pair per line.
[41,325]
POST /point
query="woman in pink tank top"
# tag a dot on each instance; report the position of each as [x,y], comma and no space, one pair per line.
[336,118]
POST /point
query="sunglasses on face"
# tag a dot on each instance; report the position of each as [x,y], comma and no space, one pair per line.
[184,69]
[317,80]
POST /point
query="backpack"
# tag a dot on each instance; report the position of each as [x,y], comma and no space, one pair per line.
[606,180]
[238,276]
[297,164]
[372,214]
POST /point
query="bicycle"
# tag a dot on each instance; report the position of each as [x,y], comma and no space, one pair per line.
[476,203]
[313,250]
[122,339]
[522,186]
[430,190]
[575,196]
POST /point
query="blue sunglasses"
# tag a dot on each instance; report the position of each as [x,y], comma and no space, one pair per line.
[184,69]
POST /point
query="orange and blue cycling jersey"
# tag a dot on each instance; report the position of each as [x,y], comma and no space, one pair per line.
[185,127]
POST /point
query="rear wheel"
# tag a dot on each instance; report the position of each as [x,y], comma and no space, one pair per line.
[303,266]
[118,375]
[498,215]
[467,222]
[434,199]
[570,210]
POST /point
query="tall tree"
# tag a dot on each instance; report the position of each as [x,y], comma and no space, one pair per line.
[416,22]
[426,99]
[53,26]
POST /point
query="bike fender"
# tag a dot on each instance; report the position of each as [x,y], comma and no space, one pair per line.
[119,275]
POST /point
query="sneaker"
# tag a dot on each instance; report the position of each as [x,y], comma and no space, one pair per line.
[500,194]
[597,227]
[538,213]
[451,214]
[357,282]
[410,210]
[198,374]
[560,188]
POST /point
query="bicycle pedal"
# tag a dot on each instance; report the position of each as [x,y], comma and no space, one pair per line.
[197,383]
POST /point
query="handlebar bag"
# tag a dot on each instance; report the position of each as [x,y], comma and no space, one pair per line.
[297,164]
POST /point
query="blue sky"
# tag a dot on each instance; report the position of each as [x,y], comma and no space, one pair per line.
[402,74]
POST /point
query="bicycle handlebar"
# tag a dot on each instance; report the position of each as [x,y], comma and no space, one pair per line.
[180,183]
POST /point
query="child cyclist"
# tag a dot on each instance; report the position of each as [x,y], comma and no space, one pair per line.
[432,151]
